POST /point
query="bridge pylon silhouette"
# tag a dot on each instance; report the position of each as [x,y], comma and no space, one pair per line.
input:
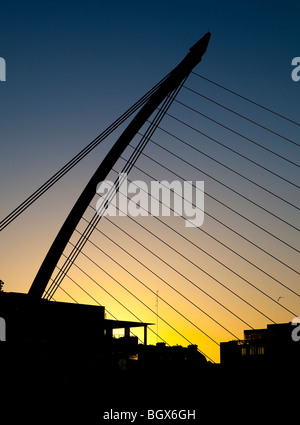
[169,86]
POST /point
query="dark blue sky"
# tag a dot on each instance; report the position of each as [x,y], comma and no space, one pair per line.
[74,66]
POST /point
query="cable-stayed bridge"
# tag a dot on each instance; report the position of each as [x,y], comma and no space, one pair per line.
[199,284]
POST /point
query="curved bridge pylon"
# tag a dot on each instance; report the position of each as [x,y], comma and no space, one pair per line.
[164,93]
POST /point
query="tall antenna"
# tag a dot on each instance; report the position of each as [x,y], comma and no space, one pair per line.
[157,316]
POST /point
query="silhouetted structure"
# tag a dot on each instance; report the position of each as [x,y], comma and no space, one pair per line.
[161,357]
[170,84]
[270,347]
[51,343]
[44,330]
[81,333]
[64,349]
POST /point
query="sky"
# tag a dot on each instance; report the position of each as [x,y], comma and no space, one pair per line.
[73,67]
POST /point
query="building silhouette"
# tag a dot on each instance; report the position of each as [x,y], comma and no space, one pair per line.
[70,336]
[74,335]
[271,347]
[66,354]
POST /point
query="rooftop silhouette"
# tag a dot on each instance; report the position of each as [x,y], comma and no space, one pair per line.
[273,346]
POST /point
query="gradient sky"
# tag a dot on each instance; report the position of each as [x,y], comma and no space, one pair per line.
[74,67]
